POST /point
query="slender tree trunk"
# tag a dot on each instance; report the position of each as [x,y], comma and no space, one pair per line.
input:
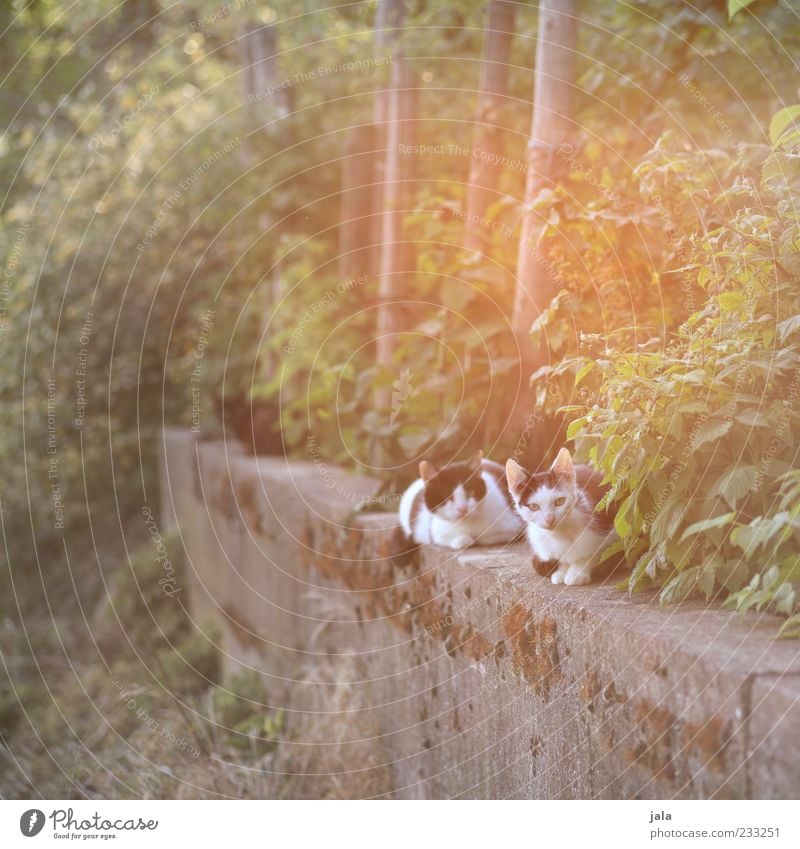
[393,108]
[263,97]
[357,210]
[263,101]
[551,126]
[396,258]
[484,174]
[389,18]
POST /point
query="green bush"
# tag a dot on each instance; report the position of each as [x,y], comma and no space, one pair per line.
[698,435]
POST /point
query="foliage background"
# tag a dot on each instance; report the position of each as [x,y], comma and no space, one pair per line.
[171,78]
[140,189]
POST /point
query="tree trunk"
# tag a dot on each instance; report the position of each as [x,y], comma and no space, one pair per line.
[264,99]
[551,126]
[484,174]
[396,258]
[389,18]
[357,211]
[393,108]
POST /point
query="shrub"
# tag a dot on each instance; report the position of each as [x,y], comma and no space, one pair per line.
[697,432]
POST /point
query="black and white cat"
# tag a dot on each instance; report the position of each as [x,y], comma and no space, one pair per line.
[459,505]
[565,533]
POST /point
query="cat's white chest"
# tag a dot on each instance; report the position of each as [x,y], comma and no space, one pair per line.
[569,545]
[546,545]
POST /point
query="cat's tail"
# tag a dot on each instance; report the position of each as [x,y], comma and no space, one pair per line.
[409,509]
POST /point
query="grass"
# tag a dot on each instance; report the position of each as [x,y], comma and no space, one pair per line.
[117,693]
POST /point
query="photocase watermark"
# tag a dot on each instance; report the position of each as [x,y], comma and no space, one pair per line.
[219,14]
[183,187]
[401,392]
[525,436]
[32,822]
[451,149]
[195,380]
[80,371]
[10,271]
[168,583]
[330,482]
[509,233]
[53,475]
[783,426]
[716,115]
[677,244]
[319,73]
[320,303]
[129,700]
[459,613]
[569,153]
[104,139]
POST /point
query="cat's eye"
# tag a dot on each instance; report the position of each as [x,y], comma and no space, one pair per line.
[533,507]
[560,501]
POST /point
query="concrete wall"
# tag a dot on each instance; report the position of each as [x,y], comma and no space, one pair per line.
[467,675]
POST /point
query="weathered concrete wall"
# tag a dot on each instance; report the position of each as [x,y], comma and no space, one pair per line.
[476,677]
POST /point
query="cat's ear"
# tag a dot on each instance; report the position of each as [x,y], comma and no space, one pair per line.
[563,467]
[426,470]
[515,475]
[475,461]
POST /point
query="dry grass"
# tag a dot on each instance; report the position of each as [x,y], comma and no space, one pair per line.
[335,752]
[92,707]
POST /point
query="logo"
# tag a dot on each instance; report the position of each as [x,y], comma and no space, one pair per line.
[31,822]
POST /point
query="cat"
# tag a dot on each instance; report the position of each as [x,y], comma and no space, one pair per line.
[565,533]
[459,505]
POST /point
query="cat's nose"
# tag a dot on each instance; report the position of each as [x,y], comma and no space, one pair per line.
[462,511]
[550,521]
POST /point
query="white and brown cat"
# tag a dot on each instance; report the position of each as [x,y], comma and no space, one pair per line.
[565,533]
[460,504]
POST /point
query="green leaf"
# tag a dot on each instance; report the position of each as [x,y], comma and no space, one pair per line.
[761,531]
[782,119]
[790,568]
[651,562]
[694,407]
[712,429]
[753,417]
[736,6]
[790,628]
[680,586]
[733,574]
[735,483]
[730,300]
[789,326]
[708,524]
[707,577]
[621,524]
[610,551]
[584,371]
[784,599]
[574,427]
[669,518]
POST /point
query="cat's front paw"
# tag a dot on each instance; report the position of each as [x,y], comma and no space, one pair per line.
[559,576]
[462,541]
[577,576]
